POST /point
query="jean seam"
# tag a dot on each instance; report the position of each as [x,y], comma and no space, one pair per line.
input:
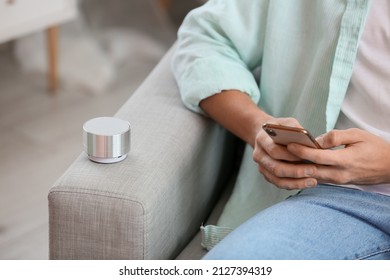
[374,254]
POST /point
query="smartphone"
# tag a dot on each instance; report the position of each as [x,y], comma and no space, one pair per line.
[284,135]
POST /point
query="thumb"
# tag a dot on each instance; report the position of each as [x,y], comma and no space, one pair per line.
[329,140]
[321,141]
[336,138]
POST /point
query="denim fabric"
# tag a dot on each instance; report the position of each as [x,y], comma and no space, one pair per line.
[326,222]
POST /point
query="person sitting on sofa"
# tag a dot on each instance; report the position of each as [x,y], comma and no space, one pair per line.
[323,65]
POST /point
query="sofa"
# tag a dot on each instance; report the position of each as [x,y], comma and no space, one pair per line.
[176,178]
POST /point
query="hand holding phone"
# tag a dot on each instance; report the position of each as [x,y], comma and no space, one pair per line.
[284,135]
[277,164]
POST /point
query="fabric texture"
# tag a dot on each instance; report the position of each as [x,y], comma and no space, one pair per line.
[150,205]
[304,76]
[354,225]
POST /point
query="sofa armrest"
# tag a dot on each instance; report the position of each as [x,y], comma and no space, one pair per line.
[151,204]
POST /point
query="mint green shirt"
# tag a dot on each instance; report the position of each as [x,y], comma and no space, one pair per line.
[305,50]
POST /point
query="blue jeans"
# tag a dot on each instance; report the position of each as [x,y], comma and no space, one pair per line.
[326,222]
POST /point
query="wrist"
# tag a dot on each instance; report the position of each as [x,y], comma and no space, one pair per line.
[235,111]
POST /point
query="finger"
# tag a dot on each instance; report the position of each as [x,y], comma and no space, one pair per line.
[280,152]
[330,164]
[265,145]
[274,150]
[283,169]
[318,156]
[288,183]
[333,175]
[336,138]
[332,139]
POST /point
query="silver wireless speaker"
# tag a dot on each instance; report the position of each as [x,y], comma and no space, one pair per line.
[106,139]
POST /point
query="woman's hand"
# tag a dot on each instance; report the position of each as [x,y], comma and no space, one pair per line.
[364,159]
[278,165]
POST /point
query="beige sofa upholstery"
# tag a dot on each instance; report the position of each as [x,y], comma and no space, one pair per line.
[151,205]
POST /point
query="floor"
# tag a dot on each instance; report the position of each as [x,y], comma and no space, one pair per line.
[41,134]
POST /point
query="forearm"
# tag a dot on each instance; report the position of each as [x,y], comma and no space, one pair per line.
[235,111]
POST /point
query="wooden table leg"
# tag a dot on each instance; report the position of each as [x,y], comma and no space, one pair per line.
[52,51]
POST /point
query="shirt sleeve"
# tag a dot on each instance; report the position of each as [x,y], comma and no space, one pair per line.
[219,46]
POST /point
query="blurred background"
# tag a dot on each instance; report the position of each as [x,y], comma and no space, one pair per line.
[104,54]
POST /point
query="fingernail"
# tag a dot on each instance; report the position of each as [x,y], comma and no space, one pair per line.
[320,140]
[310,183]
